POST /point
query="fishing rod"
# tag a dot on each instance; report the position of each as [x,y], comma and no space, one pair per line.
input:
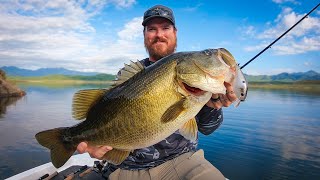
[269,46]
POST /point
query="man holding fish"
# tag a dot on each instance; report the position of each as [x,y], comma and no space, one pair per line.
[192,88]
[160,39]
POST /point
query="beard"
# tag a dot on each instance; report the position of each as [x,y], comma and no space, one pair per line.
[158,50]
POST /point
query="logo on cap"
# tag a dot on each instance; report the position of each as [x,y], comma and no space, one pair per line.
[158,11]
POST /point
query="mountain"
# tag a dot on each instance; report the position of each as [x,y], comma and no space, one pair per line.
[288,77]
[15,71]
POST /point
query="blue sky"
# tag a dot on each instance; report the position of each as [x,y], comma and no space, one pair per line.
[101,35]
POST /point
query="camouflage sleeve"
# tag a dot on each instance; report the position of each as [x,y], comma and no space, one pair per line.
[209,119]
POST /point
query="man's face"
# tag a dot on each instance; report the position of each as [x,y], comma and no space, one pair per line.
[160,38]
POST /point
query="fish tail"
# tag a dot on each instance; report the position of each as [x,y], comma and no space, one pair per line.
[60,149]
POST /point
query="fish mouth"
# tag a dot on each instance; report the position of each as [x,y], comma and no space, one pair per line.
[193,90]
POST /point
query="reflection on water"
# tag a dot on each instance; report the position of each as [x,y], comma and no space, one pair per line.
[42,108]
[6,101]
[273,135]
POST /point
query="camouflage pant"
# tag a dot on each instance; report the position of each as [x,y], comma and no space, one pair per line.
[186,166]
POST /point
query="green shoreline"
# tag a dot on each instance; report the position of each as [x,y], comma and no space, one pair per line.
[297,86]
[66,82]
[312,87]
[63,83]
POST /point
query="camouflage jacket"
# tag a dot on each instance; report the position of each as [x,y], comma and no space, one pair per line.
[208,120]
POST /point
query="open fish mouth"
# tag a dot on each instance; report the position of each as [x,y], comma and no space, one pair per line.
[193,90]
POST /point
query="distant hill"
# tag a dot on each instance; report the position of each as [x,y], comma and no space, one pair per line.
[15,71]
[287,77]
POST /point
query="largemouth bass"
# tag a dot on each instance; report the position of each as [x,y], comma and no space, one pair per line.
[146,105]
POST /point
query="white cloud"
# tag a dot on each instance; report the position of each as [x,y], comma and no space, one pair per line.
[247,32]
[287,19]
[123,3]
[192,8]
[301,39]
[298,47]
[285,1]
[256,48]
[132,30]
[308,64]
[58,33]
[250,31]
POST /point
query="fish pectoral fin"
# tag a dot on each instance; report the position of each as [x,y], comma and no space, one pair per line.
[59,150]
[174,111]
[189,130]
[116,156]
[83,100]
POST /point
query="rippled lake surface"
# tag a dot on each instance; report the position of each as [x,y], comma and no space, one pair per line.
[273,135]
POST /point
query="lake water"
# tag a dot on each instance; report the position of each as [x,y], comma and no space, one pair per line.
[273,135]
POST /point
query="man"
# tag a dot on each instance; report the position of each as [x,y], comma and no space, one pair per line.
[175,157]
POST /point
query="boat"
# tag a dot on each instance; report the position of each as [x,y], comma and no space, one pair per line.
[79,166]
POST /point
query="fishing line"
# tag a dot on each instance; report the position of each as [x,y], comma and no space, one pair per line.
[269,46]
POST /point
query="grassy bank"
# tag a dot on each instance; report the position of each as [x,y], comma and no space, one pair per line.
[297,86]
[64,80]
[61,81]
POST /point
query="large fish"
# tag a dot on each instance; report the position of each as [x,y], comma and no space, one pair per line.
[146,105]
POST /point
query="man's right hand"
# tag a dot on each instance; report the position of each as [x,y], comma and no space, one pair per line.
[223,100]
[94,151]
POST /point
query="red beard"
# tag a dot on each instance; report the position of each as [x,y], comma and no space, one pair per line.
[159,48]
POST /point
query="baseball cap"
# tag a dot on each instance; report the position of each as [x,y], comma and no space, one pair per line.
[158,11]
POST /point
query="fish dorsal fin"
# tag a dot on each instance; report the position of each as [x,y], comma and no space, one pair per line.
[116,156]
[137,65]
[189,130]
[83,100]
[128,71]
[173,111]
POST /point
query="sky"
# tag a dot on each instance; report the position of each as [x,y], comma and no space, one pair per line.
[102,35]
